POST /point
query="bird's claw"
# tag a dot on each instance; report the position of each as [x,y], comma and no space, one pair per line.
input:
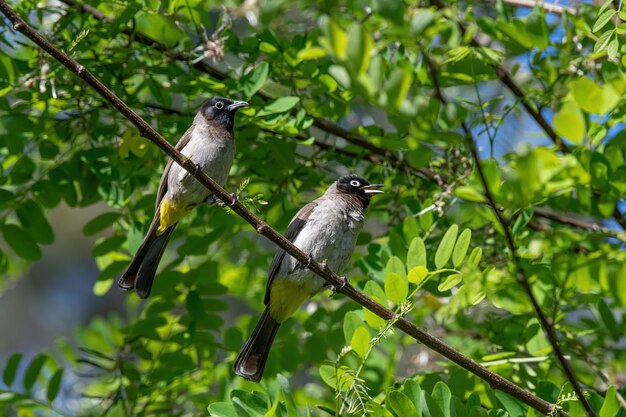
[308,262]
[197,168]
[235,198]
[344,282]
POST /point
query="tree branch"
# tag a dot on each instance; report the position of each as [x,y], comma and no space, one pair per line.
[546,324]
[548,7]
[495,381]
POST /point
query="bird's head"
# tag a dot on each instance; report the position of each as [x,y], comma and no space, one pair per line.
[353,185]
[221,111]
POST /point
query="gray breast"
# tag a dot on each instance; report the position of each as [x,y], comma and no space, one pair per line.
[214,151]
[329,235]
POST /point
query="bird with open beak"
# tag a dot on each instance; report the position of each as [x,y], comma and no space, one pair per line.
[210,144]
[326,229]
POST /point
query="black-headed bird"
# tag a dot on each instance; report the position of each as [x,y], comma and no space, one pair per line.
[210,144]
[327,230]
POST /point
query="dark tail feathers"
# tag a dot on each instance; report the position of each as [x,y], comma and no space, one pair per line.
[251,361]
[140,273]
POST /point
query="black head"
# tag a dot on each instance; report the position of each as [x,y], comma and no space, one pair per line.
[359,187]
[221,111]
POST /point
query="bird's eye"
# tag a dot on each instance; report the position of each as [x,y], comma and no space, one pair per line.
[355,183]
[219,105]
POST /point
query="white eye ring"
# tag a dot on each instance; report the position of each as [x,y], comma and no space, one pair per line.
[219,105]
[355,183]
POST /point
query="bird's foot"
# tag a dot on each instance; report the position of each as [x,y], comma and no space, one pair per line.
[235,198]
[344,282]
[197,168]
[310,259]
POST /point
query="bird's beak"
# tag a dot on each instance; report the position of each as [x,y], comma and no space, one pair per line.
[237,105]
[373,189]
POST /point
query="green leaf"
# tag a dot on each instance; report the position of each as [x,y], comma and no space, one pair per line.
[441,396]
[396,266]
[444,251]
[248,403]
[287,395]
[359,50]
[603,41]
[340,74]
[313,52]
[460,249]
[21,242]
[610,406]
[328,375]
[603,19]
[593,98]
[360,341]
[416,256]
[396,287]
[413,391]
[469,194]
[33,219]
[392,10]
[335,36]
[194,304]
[537,344]
[450,282]
[371,318]
[417,275]
[255,80]
[401,404]
[398,84]
[612,49]
[54,385]
[32,372]
[351,322]
[514,407]
[537,29]
[100,223]
[475,256]
[10,369]
[107,245]
[280,105]
[609,321]
[569,122]
[222,410]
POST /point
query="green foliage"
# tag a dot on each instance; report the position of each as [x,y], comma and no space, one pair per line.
[330,89]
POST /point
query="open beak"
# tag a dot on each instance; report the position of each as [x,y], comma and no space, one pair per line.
[237,105]
[372,189]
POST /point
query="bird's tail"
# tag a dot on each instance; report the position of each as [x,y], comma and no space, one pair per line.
[251,361]
[140,273]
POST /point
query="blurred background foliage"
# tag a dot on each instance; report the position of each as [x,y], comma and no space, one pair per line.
[334,88]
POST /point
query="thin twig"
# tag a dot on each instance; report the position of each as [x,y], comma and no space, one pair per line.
[495,381]
[548,7]
[546,324]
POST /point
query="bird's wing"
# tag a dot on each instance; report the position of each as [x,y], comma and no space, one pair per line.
[184,140]
[293,230]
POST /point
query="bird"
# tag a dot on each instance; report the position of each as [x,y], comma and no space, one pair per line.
[210,144]
[327,230]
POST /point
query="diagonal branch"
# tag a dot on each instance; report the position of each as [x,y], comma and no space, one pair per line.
[546,323]
[496,381]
